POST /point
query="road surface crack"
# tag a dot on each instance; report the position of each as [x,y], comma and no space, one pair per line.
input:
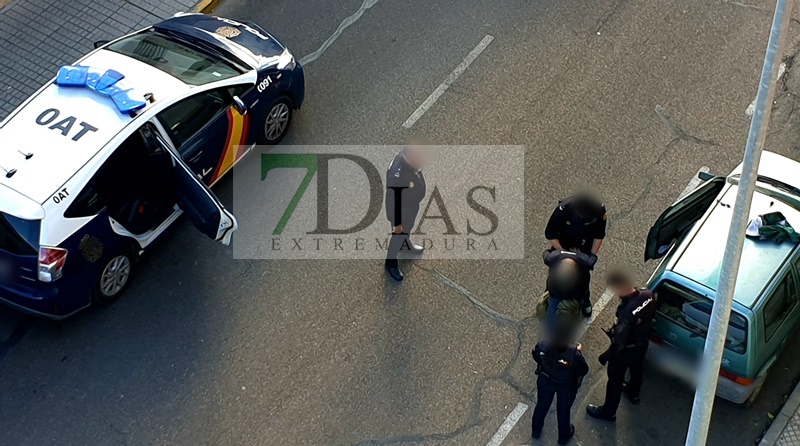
[612,10]
[519,327]
[678,134]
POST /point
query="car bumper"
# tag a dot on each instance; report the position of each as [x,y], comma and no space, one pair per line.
[45,302]
[667,361]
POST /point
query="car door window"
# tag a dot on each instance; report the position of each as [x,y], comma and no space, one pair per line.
[779,305]
[186,118]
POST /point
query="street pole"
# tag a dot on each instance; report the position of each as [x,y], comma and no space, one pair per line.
[721,312]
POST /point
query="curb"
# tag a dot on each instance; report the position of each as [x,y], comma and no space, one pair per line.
[782,419]
[206,6]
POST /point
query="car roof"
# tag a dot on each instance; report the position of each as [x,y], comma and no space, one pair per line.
[700,257]
[56,157]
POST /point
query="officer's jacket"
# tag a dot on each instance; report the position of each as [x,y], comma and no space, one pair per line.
[408,184]
[584,262]
[634,320]
[567,367]
[574,231]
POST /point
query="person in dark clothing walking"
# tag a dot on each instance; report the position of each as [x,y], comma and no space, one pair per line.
[568,276]
[578,223]
[561,368]
[629,340]
[405,190]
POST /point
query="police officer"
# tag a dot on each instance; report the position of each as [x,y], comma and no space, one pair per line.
[561,368]
[568,276]
[405,190]
[629,341]
[578,223]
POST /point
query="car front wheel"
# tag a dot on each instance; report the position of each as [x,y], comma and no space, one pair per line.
[277,122]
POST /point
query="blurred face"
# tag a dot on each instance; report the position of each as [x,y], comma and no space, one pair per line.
[416,155]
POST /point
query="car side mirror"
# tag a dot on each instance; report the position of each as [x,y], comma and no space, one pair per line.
[100,43]
[239,105]
[705,176]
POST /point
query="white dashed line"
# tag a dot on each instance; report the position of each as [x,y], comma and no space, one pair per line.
[447,82]
[599,306]
[508,424]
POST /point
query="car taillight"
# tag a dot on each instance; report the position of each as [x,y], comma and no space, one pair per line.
[51,263]
[737,379]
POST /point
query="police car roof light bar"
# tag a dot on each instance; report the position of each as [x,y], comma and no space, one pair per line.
[108,84]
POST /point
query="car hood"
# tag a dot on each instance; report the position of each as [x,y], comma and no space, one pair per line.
[238,37]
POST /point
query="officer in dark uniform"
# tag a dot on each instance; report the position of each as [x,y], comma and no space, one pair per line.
[629,340]
[405,190]
[578,223]
[561,368]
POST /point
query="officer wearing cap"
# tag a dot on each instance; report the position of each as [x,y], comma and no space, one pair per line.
[405,190]
[629,340]
[561,368]
[578,223]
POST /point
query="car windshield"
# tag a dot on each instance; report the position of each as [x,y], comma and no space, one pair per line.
[175,57]
[692,312]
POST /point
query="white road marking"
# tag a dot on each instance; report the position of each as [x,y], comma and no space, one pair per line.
[508,424]
[307,59]
[599,306]
[447,82]
[752,107]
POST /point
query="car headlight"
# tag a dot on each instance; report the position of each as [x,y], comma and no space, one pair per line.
[286,61]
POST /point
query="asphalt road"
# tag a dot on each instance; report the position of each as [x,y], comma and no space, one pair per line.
[206,350]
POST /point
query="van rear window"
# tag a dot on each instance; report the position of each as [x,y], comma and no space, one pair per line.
[692,312]
[18,236]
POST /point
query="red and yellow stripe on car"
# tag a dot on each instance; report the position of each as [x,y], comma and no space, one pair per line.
[234,144]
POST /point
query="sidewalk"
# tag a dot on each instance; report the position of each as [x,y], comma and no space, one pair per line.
[38,36]
[785,428]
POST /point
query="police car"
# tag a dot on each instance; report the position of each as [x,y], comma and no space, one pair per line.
[99,162]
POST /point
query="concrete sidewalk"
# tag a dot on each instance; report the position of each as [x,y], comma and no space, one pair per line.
[38,36]
[785,428]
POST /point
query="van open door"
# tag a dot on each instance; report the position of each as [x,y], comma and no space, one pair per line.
[679,217]
[198,202]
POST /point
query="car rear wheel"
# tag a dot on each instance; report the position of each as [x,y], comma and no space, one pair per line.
[114,277]
[756,391]
[277,122]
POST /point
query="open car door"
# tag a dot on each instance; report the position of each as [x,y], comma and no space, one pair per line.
[679,217]
[198,202]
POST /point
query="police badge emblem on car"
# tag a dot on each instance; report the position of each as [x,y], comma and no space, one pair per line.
[227,31]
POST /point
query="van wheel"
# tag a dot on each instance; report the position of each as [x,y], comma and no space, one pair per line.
[277,122]
[754,396]
[114,278]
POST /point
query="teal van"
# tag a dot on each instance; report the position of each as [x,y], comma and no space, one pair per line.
[690,236]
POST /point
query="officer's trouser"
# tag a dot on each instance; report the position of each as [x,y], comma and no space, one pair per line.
[546,392]
[399,242]
[631,358]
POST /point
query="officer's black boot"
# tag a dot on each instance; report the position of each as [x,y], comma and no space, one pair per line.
[414,248]
[634,399]
[586,307]
[566,439]
[599,413]
[392,268]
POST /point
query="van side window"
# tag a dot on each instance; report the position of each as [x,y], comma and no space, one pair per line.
[779,305]
[184,119]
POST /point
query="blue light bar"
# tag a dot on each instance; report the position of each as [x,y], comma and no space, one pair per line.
[108,83]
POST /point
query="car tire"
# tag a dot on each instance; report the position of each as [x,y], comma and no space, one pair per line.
[277,122]
[114,276]
[757,391]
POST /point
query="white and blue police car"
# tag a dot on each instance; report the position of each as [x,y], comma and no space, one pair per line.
[100,161]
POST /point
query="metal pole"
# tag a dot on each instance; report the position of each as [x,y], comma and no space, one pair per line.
[721,312]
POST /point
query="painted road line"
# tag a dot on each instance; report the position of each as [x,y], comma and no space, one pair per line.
[448,82]
[598,308]
[307,59]
[752,107]
[508,424]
